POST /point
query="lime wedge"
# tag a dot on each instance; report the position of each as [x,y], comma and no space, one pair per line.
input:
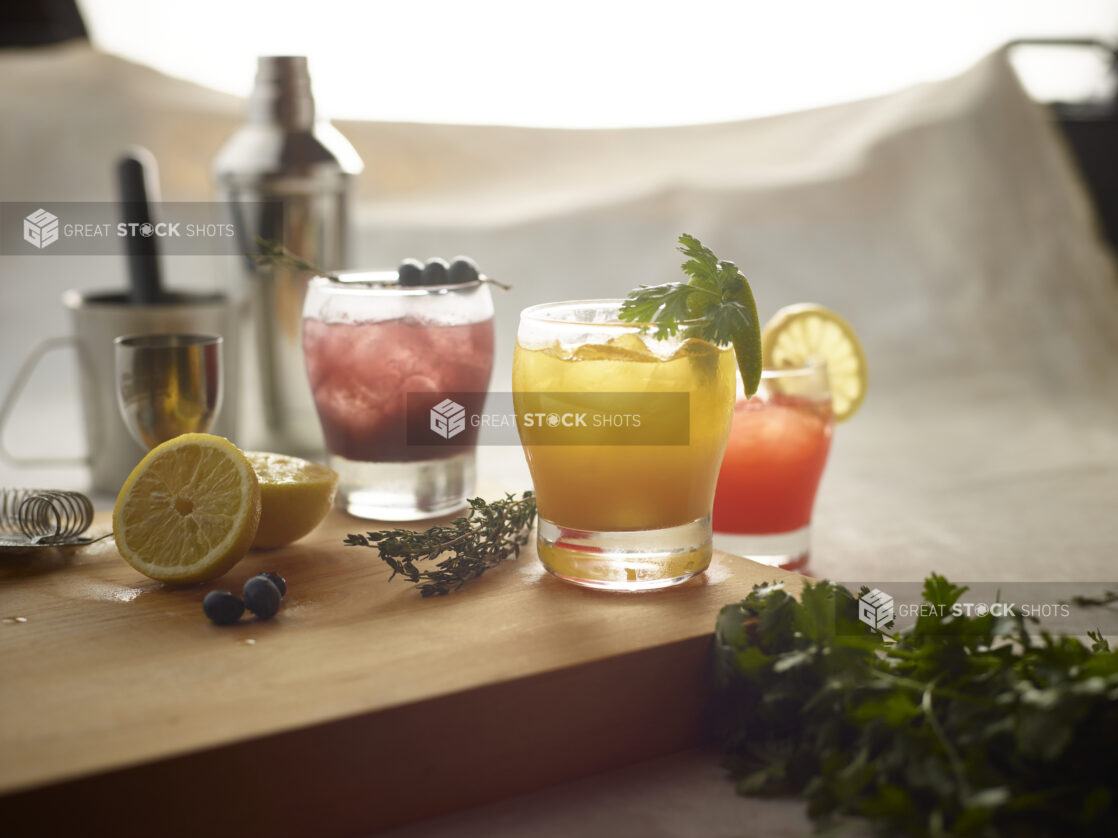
[734,317]
[716,304]
[747,341]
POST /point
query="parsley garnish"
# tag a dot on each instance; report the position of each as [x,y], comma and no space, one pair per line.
[961,726]
[716,305]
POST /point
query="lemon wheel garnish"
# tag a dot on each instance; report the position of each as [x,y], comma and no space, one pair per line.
[295,495]
[189,511]
[805,332]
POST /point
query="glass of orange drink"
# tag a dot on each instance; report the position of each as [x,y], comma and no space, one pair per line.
[623,434]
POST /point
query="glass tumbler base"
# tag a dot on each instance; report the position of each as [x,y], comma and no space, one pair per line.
[641,560]
[787,550]
[404,491]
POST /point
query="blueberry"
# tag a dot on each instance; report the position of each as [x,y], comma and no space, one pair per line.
[434,272]
[223,607]
[410,272]
[262,597]
[276,580]
[462,269]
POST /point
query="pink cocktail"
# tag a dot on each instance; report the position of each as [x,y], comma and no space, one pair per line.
[380,357]
[361,373]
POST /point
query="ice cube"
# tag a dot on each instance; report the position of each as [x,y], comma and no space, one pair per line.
[350,408]
[555,350]
[623,348]
[694,348]
[633,343]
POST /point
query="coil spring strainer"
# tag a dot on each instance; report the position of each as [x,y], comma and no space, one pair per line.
[44,517]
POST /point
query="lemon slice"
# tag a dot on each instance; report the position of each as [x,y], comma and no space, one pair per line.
[805,332]
[295,496]
[189,511]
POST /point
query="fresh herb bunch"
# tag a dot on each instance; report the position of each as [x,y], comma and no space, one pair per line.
[961,726]
[716,305]
[467,547]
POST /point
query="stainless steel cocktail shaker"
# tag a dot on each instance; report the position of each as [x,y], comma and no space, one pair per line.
[287,178]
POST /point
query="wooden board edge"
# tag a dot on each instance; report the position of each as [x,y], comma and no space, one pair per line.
[399,765]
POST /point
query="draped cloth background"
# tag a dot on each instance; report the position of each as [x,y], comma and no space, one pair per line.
[945,221]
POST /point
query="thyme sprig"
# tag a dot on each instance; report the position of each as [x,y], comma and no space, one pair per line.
[1105,600]
[465,548]
[274,253]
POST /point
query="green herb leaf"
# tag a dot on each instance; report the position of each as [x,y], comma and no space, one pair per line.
[665,306]
[961,726]
[463,549]
[715,305]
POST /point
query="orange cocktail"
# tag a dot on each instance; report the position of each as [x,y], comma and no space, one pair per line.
[623,435]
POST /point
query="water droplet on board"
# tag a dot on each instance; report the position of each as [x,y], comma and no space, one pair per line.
[13,620]
[249,642]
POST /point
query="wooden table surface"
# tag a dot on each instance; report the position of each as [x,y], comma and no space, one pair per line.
[359,697]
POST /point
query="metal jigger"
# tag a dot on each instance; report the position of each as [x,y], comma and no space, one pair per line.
[168,384]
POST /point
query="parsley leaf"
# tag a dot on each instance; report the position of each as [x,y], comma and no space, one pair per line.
[715,305]
[960,726]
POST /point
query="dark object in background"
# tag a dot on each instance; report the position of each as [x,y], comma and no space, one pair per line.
[138,183]
[32,23]
[1091,129]
[1092,133]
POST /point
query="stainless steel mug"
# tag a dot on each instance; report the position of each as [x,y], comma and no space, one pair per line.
[96,319]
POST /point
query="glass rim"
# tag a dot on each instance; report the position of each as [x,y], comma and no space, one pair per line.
[169,340]
[386,283]
[534,314]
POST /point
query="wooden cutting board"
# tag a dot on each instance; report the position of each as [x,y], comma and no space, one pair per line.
[360,706]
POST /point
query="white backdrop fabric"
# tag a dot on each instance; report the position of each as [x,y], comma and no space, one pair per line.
[945,221]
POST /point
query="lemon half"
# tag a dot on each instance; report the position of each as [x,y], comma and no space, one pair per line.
[805,332]
[295,495]
[189,510]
